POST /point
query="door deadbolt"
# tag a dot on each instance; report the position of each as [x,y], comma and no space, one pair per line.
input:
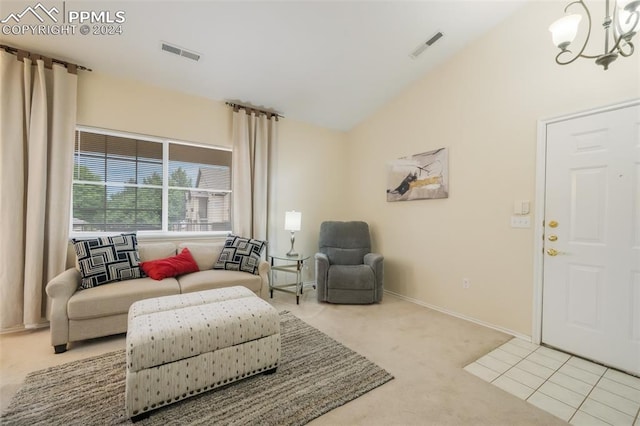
[553,224]
[553,238]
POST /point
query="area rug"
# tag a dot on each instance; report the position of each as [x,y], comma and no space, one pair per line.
[316,374]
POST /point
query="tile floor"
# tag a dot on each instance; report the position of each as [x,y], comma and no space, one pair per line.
[571,388]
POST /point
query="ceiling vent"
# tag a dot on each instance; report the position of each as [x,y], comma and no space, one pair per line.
[423,46]
[180,51]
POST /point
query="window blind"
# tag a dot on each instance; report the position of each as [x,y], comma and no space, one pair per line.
[120,182]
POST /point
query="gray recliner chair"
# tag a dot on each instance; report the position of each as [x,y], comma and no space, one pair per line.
[346,270]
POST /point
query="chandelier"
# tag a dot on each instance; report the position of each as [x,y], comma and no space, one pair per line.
[620,25]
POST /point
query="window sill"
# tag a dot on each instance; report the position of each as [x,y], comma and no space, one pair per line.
[157,236]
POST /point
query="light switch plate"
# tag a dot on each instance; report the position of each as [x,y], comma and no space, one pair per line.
[521,221]
[521,207]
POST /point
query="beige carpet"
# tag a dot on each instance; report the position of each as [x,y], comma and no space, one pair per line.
[315,375]
[423,349]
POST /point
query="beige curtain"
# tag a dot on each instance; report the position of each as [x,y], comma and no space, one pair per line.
[254,144]
[37,122]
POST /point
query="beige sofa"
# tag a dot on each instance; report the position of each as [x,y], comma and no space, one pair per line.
[102,311]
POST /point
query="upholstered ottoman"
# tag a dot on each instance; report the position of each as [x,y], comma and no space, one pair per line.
[182,345]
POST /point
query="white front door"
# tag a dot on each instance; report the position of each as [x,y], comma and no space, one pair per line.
[591,272]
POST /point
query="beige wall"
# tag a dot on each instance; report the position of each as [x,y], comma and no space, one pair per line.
[310,162]
[127,105]
[311,166]
[484,105]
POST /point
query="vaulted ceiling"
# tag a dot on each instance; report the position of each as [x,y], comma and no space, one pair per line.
[329,63]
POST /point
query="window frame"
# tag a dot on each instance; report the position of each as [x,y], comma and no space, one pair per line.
[164,233]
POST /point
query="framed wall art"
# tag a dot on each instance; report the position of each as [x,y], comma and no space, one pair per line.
[419,177]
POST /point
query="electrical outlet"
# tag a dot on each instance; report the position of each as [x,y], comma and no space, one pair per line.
[466,283]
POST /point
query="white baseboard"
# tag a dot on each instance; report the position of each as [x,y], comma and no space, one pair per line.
[461,316]
[23,328]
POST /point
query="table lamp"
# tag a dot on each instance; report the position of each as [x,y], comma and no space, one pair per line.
[292,221]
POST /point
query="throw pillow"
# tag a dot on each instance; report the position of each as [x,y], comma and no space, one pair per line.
[171,266]
[240,254]
[107,259]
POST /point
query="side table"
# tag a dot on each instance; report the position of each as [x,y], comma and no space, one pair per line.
[290,264]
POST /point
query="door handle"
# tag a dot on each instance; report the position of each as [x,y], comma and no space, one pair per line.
[553,238]
[554,252]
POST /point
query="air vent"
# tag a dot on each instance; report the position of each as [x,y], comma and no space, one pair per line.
[190,55]
[180,51]
[423,46]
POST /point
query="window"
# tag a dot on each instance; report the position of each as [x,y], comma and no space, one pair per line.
[126,183]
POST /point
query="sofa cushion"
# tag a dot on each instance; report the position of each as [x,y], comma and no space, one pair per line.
[171,266]
[346,256]
[104,260]
[116,298]
[146,251]
[240,254]
[351,277]
[153,251]
[344,243]
[217,278]
[205,254]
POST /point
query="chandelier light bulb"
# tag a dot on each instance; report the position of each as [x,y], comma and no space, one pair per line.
[629,5]
[626,23]
[564,30]
[620,23]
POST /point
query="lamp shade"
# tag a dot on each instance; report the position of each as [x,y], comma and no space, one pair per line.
[292,220]
[564,30]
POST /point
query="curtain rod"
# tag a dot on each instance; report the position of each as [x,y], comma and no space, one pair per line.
[236,106]
[48,62]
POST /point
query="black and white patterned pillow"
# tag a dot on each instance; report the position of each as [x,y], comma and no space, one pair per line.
[240,254]
[107,259]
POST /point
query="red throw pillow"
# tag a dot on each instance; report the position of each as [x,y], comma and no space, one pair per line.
[171,266]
